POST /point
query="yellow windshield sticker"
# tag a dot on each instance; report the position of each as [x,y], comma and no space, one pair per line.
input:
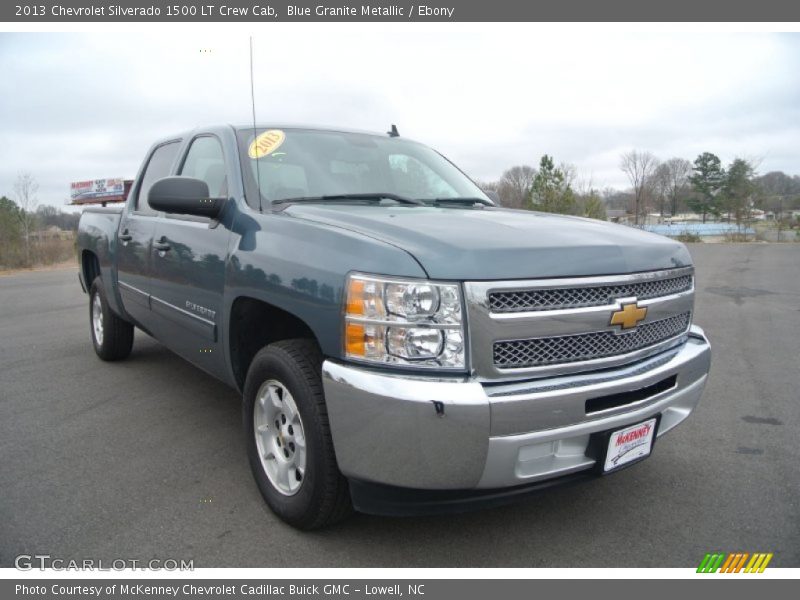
[266,143]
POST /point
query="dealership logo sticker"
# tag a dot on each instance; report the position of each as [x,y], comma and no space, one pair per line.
[631,440]
[734,562]
[266,143]
[629,444]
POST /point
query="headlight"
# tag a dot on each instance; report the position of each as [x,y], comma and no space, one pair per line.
[404,322]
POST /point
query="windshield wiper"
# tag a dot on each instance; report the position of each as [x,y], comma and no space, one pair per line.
[368,196]
[458,200]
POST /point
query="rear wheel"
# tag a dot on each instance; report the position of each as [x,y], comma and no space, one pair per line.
[112,336]
[288,437]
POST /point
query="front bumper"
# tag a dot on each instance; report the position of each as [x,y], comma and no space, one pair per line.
[461,434]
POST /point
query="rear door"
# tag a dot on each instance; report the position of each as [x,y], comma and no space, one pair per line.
[189,258]
[135,236]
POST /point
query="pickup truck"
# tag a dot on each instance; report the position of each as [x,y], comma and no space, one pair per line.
[402,344]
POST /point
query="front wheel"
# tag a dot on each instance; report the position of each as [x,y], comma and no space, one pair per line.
[288,437]
[111,335]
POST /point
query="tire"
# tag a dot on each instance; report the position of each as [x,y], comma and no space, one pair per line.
[295,469]
[112,336]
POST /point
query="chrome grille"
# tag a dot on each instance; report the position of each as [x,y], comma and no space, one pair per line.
[586,346]
[579,297]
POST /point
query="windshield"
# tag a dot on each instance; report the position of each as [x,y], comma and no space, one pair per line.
[298,163]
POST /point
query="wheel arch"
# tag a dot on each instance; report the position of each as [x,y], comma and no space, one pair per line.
[90,267]
[254,323]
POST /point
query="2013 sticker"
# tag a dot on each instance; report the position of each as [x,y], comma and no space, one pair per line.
[266,143]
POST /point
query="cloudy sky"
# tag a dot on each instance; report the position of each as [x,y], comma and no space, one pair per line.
[87,105]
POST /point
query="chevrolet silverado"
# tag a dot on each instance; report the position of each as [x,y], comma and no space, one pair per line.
[402,344]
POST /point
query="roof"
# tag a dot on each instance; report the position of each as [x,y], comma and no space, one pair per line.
[211,128]
[309,126]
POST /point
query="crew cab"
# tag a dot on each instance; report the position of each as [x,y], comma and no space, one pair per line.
[402,344]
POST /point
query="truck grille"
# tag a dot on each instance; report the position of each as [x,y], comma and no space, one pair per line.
[586,346]
[558,326]
[580,297]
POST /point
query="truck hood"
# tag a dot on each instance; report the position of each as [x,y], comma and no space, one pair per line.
[494,243]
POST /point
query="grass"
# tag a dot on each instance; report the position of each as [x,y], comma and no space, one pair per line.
[688,238]
[42,253]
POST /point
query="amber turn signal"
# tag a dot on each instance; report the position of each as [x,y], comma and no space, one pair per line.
[355,297]
[355,339]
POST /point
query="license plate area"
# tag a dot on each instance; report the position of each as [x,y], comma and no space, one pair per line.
[627,445]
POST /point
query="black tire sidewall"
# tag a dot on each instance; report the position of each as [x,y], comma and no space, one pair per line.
[97,290]
[117,332]
[299,509]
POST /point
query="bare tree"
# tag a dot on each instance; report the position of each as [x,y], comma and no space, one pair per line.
[660,186]
[486,186]
[515,186]
[490,189]
[616,199]
[570,172]
[584,185]
[779,184]
[639,166]
[25,189]
[677,175]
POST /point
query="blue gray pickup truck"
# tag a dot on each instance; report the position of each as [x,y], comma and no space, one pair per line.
[402,345]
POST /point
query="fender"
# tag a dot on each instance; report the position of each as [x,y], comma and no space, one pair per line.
[300,267]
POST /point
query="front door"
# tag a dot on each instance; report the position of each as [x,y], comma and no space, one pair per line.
[188,275]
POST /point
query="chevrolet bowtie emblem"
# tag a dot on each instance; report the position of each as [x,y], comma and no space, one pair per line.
[628,316]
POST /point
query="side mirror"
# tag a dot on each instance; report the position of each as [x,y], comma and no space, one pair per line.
[184,196]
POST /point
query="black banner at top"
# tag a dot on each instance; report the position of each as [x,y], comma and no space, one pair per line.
[243,11]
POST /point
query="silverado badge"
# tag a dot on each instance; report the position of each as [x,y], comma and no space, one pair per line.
[629,315]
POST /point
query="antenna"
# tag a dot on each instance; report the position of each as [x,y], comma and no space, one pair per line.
[253,103]
[393,131]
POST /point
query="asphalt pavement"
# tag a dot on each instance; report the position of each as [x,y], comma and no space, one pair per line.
[145,458]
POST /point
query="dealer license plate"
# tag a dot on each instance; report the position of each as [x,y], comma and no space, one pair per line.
[629,444]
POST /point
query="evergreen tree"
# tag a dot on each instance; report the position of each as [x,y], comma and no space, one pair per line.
[593,206]
[707,179]
[9,221]
[738,189]
[550,191]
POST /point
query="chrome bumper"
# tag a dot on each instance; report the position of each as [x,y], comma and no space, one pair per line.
[430,433]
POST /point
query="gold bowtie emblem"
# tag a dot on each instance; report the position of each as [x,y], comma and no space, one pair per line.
[629,315]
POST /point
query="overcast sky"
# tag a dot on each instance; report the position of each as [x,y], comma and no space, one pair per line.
[83,106]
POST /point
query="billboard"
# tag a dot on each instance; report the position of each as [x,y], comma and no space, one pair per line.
[96,189]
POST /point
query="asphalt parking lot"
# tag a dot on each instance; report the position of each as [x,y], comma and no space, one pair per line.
[145,458]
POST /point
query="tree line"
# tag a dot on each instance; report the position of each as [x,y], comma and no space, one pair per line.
[21,217]
[666,188]
[548,188]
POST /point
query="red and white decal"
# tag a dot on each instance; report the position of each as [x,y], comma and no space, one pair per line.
[629,444]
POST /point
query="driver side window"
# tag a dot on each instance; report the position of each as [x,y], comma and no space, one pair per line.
[206,161]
